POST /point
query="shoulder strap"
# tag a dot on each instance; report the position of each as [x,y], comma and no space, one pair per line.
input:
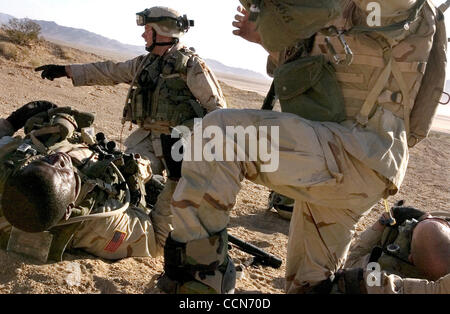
[393,27]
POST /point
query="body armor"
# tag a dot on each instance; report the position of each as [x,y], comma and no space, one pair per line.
[160,96]
[100,185]
[396,246]
[386,68]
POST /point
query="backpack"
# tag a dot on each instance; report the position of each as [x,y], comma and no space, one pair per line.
[433,82]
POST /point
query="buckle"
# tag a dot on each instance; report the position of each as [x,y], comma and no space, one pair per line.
[24,148]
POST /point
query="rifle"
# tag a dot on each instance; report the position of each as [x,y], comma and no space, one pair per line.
[260,256]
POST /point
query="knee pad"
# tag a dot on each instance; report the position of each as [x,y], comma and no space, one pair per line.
[199,266]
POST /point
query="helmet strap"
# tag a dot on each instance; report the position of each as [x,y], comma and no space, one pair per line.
[154,44]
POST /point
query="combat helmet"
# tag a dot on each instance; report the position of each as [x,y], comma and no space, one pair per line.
[165,21]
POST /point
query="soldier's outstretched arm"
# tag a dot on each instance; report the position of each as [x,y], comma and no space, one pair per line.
[52,71]
[97,73]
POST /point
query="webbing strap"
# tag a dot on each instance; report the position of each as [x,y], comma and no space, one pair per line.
[405,91]
[39,145]
[368,105]
[393,27]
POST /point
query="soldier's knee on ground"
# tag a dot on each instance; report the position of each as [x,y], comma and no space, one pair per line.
[199,266]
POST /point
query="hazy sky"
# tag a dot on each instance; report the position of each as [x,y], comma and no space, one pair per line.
[212,35]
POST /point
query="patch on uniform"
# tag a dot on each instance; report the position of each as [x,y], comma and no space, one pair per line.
[116,241]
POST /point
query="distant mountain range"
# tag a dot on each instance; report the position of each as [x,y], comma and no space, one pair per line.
[96,43]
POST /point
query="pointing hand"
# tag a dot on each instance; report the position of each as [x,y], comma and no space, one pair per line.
[52,71]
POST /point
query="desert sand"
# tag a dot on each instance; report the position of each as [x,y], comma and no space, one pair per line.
[426,186]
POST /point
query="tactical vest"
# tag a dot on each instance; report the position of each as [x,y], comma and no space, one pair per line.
[387,68]
[396,246]
[99,182]
[160,94]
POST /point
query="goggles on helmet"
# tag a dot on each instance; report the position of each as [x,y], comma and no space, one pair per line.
[182,22]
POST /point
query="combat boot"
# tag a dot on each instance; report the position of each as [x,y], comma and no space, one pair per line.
[198,267]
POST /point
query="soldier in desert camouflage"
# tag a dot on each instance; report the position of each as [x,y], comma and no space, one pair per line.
[59,192]
[170,86]
[348,93]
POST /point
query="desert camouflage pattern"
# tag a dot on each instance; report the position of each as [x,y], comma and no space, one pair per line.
[342,170]
[392,281]
[332,190]
[167,28]
[200,80]
[395,53]
[123,235]
[394,284]
[162,214]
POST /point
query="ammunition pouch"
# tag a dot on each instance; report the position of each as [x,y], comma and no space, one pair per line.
[78,118]
[67,124]
[82,119]
[308,87]
[199,266]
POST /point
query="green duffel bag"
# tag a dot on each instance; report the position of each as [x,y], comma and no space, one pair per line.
[308,87]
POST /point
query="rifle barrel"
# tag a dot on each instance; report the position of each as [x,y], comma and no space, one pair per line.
[263,257]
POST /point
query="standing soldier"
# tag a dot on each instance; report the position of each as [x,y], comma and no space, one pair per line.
[354,97]
[170,86]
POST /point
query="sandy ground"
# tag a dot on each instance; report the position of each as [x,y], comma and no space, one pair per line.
[426,186]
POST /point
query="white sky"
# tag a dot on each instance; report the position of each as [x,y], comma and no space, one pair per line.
[211,36]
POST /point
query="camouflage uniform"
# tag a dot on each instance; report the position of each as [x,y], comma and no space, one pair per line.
[336,172]
[166,91]
[153,80]
[394,278]
[126,234]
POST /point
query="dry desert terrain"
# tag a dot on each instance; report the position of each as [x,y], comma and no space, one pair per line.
[426,186]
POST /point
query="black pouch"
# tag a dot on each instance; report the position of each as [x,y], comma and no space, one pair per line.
[173,167]
[308,87]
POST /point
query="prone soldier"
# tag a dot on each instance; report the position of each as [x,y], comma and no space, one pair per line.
[413,256]
[60,190]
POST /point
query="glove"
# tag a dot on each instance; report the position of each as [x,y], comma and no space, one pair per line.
[349,281]
[52,71]
[21,115]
